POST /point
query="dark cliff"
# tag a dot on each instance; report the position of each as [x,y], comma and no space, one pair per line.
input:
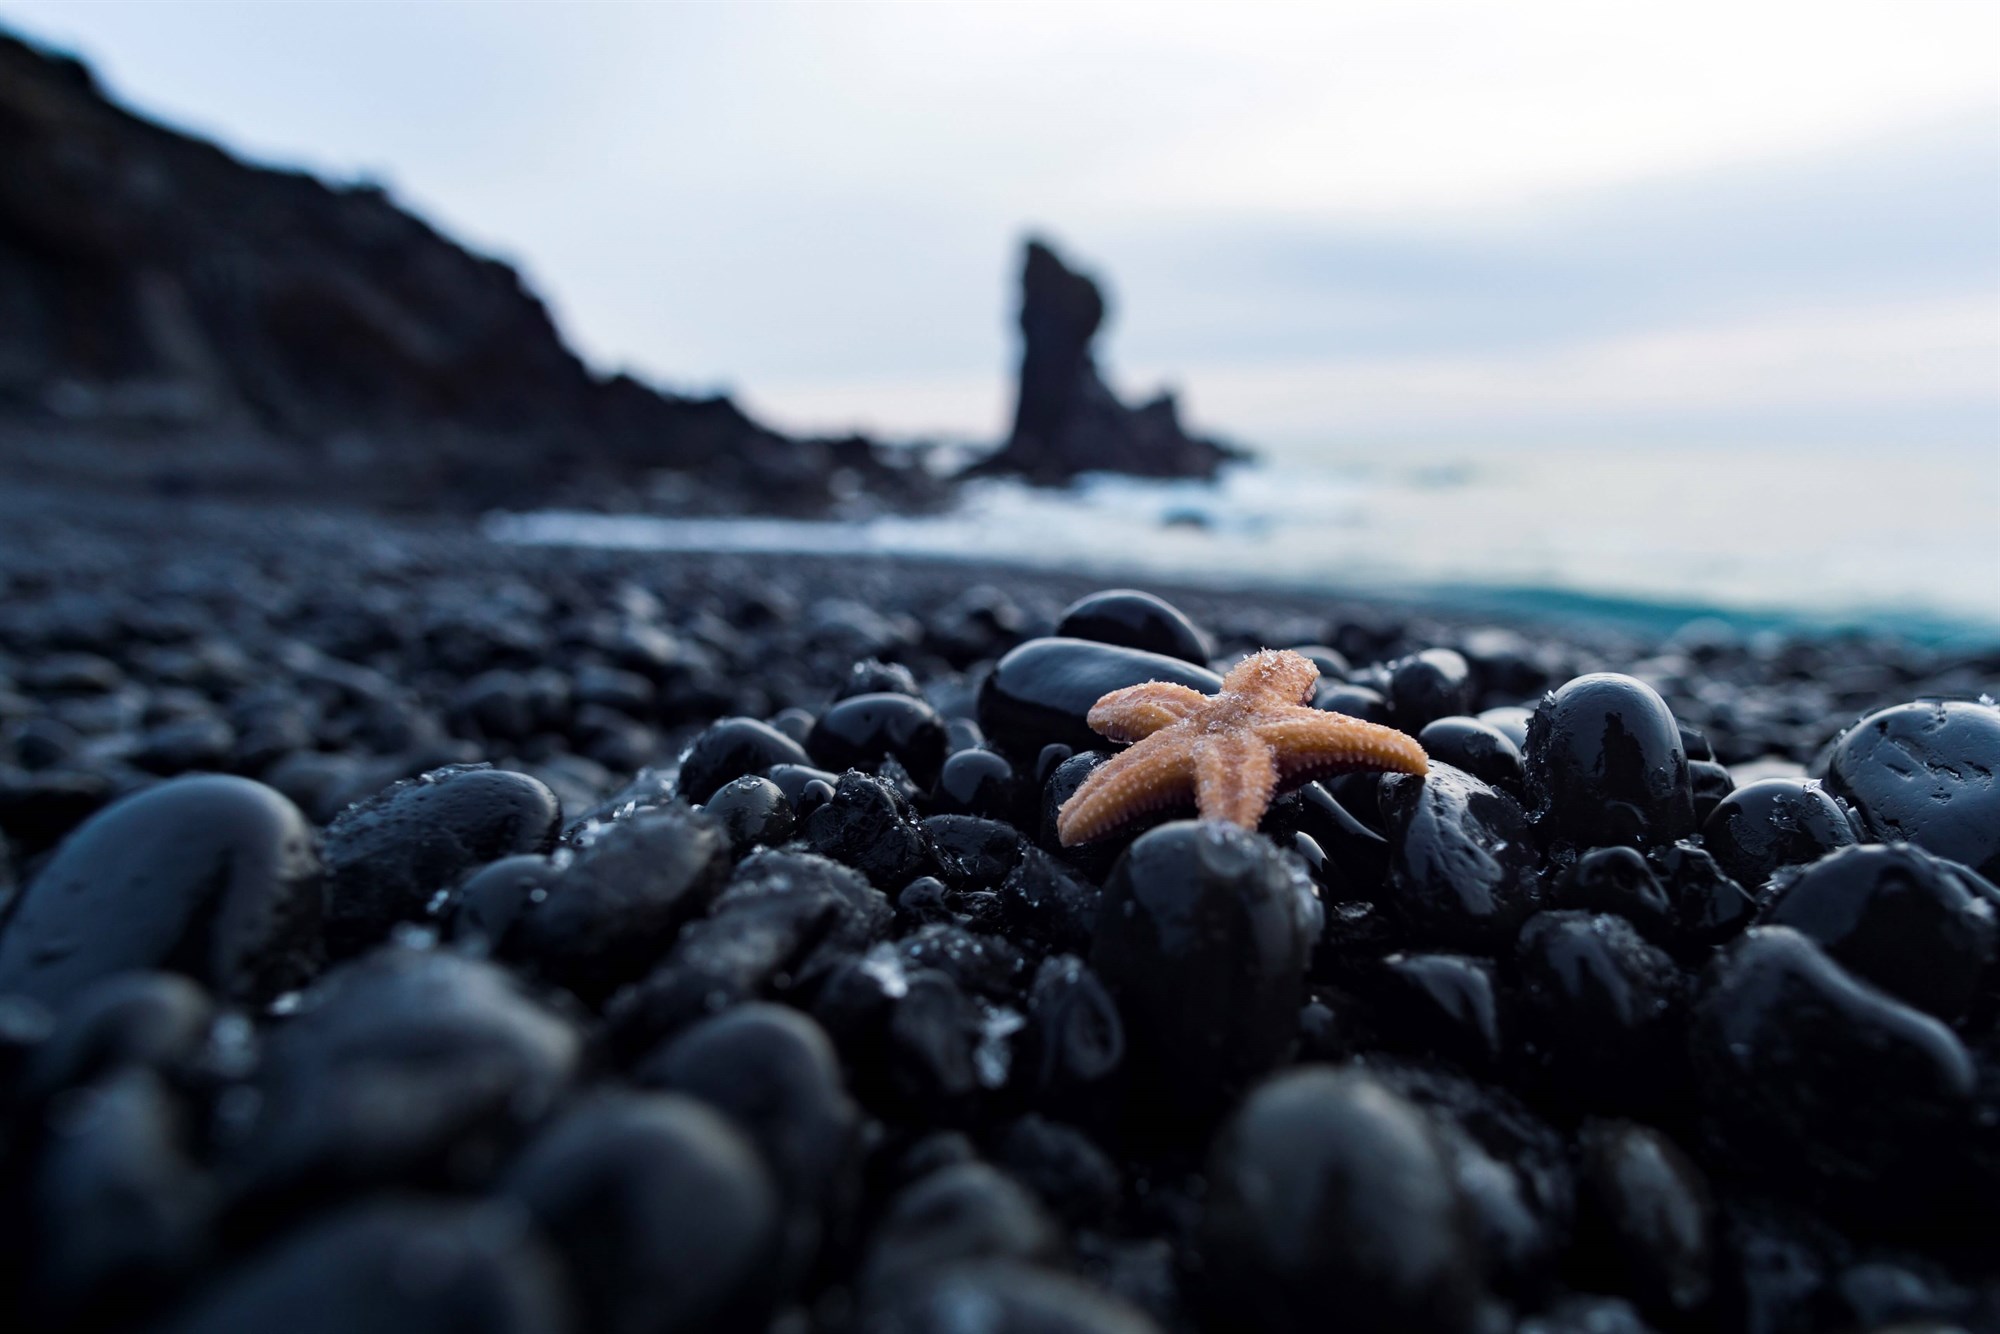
[168,312]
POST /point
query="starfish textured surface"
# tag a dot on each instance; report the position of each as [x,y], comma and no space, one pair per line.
[1229,753]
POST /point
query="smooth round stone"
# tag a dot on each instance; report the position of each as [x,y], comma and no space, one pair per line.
[967,1211]
[389,856]
[1709,907]
[1433,684]
[1041,692]
[1332,663]
[1355,701]
[620,903]
[400,1060]
[1356,857]
[1710,783]
[1329,1193]
[394,1267]
[1809,1068]
[1132,619]
[1005,1297]
[211,876]
[774,1073]
[1619,880]
[1511,720]
[867,825]
[875,677]
[154,1021]
[1076,1035]
[1927,774]
[1606,764]
[1482,750]
[1441,1003]
[1772,823]
[730,748]
[861,730]
[1461,866]
[1602,1006]
[1647,1205]
[793,779]
[1203,935]
[663,1210]
[978,782]
[495,897]
[752,811]
[1919,927]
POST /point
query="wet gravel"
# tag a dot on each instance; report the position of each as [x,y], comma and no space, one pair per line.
[405,933]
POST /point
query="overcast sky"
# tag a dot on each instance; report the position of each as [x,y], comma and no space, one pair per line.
[1330,226]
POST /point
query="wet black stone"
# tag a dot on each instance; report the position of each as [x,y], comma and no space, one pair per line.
[1605,765]
[859,731]
[1619,880]
[1462,868]
[1008,1298]
[388,856]
[775,1075]
[730,748]
[1327,1192]
[968,1211]
[1601,1008]
[151,1021]
[1922,928]
[1133,619]
[403,1063]
[973,853]
[393,1267]
[1355,701]
[1511,721]
[871,676]
[1772,823]
[1041,691]
[122,1212]
[1203,935]
[1076,1036]
[1807,1068]
[1332,663]
[753,811]
[1709,907]
[619,904]
[1445,1004]
[663,1210]
[1480,749]
[1433,684]
[486,907]
[184,745]
[215,877]
[793,779]
[1647,1214]
[1710,783]
[868,826]
[979,782]
[1927,774]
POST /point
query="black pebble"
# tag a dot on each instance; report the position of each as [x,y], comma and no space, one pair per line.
[730,748]
[1619,880]
[1602,1009]
[390,855]
[1772,823]
[868,826]
[1041,691]
[1138,620]
[1481,749]
[753,811]
[215,877]
[1462,868]
[1917,926]
[662,1209]
[861,730]
[1328,1192]
[1648,1213]
[1355,701]
[1605,765]
[1445,1004]
[981,782]
[1433,684]
[1927,774]
[1203,935]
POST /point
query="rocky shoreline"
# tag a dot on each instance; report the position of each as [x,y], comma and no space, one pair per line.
[410,932]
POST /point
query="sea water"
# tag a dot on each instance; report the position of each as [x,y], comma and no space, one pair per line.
[1908,542]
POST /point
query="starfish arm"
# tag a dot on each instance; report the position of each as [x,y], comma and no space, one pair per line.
[1136,712]
[1312,743]
[1276,674]
[1148,777]
[1236,775]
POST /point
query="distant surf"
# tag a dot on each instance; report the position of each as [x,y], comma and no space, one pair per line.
[1786,538]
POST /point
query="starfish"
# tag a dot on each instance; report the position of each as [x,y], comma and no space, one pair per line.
[1230,753]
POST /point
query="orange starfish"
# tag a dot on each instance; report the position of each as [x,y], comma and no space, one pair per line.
[1230,752]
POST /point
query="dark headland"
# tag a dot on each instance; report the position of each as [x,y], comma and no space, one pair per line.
[403,932]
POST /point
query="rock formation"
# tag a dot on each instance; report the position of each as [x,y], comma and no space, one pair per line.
[168,312]
[1066,419]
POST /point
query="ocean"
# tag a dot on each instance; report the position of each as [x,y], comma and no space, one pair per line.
[1906,543]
